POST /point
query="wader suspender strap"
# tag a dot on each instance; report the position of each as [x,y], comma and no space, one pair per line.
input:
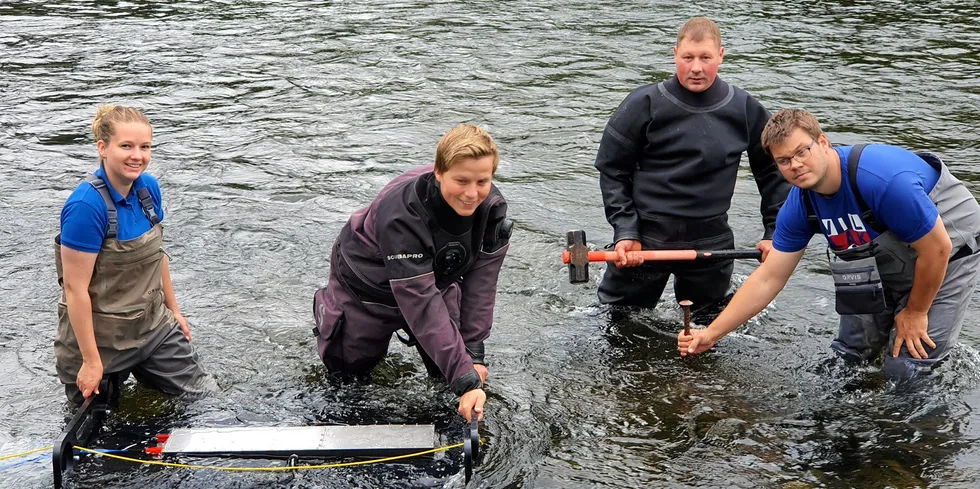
[852,171]
[146,201]
[866,215]
[811,214]
[99,185]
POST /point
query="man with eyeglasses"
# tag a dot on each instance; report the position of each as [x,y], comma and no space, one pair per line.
[904,236]
[667,162]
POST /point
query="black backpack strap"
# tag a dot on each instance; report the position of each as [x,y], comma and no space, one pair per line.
[868,217]
[146,201]
[110,206]
[852,167]
[811,214]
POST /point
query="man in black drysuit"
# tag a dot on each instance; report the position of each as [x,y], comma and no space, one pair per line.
[668,161]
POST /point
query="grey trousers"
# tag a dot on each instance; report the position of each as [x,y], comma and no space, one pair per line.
[167,362]
[862,337]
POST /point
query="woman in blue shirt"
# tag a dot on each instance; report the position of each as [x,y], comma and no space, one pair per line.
[118,313]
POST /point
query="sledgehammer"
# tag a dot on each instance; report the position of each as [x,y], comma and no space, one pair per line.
[578,256]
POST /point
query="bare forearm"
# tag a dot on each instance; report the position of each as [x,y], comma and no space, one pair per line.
[169,297]
[754,295]
[930,270]
[80,316]
[933,251]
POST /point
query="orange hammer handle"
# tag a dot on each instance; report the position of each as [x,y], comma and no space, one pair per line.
[648,255]
[667,255]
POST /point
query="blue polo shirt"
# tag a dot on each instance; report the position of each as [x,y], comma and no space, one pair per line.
[894,182]
[85,218]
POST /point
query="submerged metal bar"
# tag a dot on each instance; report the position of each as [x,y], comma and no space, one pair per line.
[333,441]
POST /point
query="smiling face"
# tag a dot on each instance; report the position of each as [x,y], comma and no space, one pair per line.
[697,62]
[466,184]
[126,154]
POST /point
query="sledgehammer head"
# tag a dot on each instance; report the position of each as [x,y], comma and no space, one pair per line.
[578,265]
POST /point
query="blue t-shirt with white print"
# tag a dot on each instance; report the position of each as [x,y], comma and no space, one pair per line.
[894,182]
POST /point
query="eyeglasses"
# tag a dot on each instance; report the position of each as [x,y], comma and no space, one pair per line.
[798,157]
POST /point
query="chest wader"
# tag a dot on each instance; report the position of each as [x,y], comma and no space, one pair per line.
[887,256]
[867,318]
[126,291]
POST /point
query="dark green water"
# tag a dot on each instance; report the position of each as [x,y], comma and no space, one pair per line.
[274,121]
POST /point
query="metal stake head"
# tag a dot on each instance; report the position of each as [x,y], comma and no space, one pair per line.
[686,305]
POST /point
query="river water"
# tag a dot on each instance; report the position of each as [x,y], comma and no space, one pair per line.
[274,121]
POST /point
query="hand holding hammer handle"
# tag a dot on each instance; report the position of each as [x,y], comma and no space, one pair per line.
[670,255]
[578,256]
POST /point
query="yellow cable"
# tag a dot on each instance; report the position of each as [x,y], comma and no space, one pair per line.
[269,469]
[168,464]
[5,457]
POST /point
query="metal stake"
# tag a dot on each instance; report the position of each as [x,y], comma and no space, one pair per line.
[687,316]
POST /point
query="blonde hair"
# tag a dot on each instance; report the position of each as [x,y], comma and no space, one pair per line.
[784,122]
[698,28]
[107,116]
[462,142]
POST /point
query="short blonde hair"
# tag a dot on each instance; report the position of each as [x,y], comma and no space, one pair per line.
[784,122]
[462,142]
[698,28]
[107,116]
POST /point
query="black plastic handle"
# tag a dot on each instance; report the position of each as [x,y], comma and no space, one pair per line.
[471,446]
[730,254]
[79,431]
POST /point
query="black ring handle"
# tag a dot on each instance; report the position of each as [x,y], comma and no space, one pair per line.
[83,425]
[471,446]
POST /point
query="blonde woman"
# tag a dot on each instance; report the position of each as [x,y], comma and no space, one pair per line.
[118,313]
[423,258]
